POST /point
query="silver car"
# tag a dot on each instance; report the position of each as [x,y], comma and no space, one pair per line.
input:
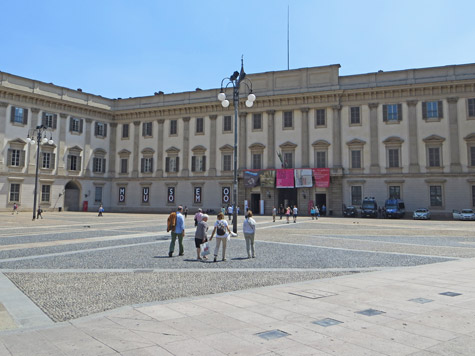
[465,214]
[421,214]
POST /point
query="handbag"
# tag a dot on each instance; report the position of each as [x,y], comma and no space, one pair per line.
[205,249]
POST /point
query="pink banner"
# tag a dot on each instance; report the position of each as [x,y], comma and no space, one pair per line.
[284,178]
[322,177]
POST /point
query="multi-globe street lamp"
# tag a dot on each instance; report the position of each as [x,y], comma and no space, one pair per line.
[236,80]
[40,133]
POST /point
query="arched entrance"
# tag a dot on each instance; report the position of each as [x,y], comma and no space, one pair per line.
[71,196]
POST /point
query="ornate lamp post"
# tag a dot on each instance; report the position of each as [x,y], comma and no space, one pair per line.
[236,80]
[40,133]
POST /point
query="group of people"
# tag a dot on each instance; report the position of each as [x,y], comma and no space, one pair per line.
[287,212]
[221,232]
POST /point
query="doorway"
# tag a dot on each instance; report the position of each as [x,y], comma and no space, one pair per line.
[255,198]
[287,197]
[71,196]
[320,200]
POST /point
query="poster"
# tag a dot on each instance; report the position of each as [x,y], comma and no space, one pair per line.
[303,178]
[251,179]
[284,178]
[267,178]
[322,177]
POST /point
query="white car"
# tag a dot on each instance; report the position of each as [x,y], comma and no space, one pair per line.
[421,214]
[465,214]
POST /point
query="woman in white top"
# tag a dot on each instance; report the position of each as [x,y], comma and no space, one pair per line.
[249,229]
[221,229]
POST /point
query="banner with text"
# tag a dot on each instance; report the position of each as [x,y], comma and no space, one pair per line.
[285,178]
[322,177]
[303,178]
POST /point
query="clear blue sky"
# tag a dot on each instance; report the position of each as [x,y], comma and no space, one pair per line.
[125,48]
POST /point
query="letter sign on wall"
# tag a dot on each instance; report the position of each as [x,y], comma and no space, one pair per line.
[121,194]
[171,194]
[226,196]
[145,194]
[197,198]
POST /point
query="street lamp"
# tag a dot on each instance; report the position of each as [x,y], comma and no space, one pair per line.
[235,80]
[40,133]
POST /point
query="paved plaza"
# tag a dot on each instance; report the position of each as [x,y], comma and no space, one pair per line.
[78,284]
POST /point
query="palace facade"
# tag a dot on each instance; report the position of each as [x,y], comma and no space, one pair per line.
[408,134]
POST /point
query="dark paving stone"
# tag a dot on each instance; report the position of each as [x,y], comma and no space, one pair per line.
[327,322]
[272,334]
[421,300]
[450,294]
[370,312]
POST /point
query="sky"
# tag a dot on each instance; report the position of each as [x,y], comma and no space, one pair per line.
[132,48]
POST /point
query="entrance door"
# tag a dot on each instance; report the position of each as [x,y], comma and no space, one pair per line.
[255,203]
[320,200]
[287,197]
[71,197]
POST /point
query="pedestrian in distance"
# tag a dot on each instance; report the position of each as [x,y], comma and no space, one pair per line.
[287,214]
[230,211]
[15,208]
[295,213]
[201,236]
[274,213]
[281,211]
[249,230]
[177,231]
[312,212]
[198,216]
[101,210]
[221,229]
[39,212]
[324,210]
[317,212]
[185,211]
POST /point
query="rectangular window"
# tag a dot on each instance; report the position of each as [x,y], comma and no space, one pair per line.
[355,159]
[200,125]
[98,165]
[198,163]
[125,131]
[15,158]
[288,119]
[227,124]
[147,165]
[14,192]
[100,129]
[435,195]
[257,121]
[288,160]
[355,115]
[19,115]
[173,127]
[46,160]
[434,157]
[471,107]
[356,194]
[431,109]
[147,129]
[171,164]
[320,119]
[45,193]
[472,156]
[321,157]
[124,165]
[75,125]
[392,112]
[74,163]
[98,195]
[227,159]
[49,120]
[256,161]
[394,192]
[393,157]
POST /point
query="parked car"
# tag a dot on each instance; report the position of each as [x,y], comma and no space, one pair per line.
[369,208]
[465,214]
[394,208]
[421,214]
[350,211]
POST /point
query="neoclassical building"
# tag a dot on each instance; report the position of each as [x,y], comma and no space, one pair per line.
[408,134]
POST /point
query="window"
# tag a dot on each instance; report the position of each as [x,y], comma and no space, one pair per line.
[124,165]
[200,125]
[257,121]
[15,192]
[321,158]
[74,162]
[288,119]
[198,163]
[146,165]
[47,161]
[432,109]
[227,161]
[16,157]
[125,131]
[472,156]
[75,125]
[435,195]
[471,107]
[172,164]
[355,158]
[49,120]
[392,112]
[147,129]
[434,156]
[173,127]
[288,159]
[98,195]
[256,161]
[393,157]
[227,124]
[320,119]
[100,129]
[355,118]
[45,193]
[99,165]
[356,194]
[394,192]
[19,116]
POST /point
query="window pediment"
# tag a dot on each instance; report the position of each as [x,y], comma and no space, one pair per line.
[288,145]
[124,152]
[321,144]
[356,142]
[17,142]
[172,150]
[198,149]
[76,149]
[394,140]
[470,138]
[226,148]
[148,151]
[100,152]
[434,139]
[257,146]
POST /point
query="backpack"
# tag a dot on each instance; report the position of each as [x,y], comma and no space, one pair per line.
[171,222]
[221,229]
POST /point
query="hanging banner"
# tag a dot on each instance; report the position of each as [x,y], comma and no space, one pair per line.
[171,194]
[303,178]
[284,178]
[197,195]
[226,195]
[322,177]
[251,179]
[267,178]
[145,194]
[121,194]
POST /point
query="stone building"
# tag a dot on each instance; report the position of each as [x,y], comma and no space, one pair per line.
[408,134]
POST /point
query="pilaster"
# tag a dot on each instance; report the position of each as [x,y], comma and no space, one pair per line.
[135,160]
[336,137]
[413,137]
[185,172]
[455,166]
[87,148]
[212,146]
[374,138]
[160,149]
[31,156]
[242,146]
[271,152]
[3,128]
[61,146]
[112,149]
[305,138]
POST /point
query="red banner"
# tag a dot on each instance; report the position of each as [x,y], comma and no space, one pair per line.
[285,178]
[322,177]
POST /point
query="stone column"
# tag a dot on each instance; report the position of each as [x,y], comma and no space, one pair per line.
[455,166]
[374,138]
[112,149]
[336,137]
[160,148]
[305,132]
[413,137]
[212,146]
[185,172]
[87,148]
[31,157]
[135,153]
[242,143]
[271,152]
[61,147]
[3,128]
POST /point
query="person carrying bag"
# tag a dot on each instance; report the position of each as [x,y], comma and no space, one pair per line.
[249,229]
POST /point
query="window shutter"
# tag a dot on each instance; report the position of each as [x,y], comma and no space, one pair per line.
[70,124]
[142,163]
[22,158]
[151,165]
[144,129]
[193,163]
[167,164]
[105,130]
[69,162]
[204,163]
[385,113]
[55,121]
[96,129]
[79,161]
[81,125]
[177,165]
[440,109]
[424,110]
[52,162]
[399,112]
[43,119]
[25,116]
[12,115]
[10,152]
[103,165]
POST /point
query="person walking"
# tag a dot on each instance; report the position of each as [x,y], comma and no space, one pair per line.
[39,211]
[201,236]
[274,213]
[295,213]
[312,212]
[287,214]
[317,212]
[198,216]
[324,210]
[221,229]
[177,232]
[185,211]
[249,229]
[281,211]
[15,208]
[101,210]
[230,211]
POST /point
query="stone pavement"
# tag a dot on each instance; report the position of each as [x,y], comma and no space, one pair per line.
[423,310]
